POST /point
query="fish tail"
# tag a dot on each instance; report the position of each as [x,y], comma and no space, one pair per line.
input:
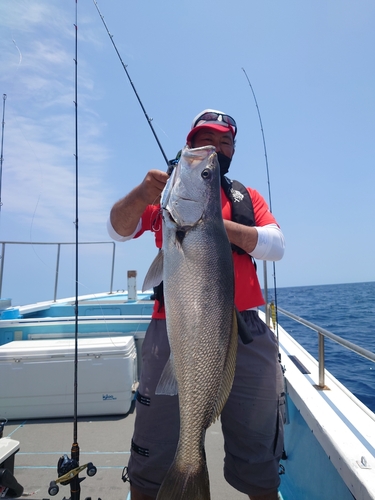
[185,483]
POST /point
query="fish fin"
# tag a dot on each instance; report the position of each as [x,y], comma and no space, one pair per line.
[167,385]
[229,369]
[189,483]
[154,275]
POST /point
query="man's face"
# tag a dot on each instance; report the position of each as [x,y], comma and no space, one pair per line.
[222,141]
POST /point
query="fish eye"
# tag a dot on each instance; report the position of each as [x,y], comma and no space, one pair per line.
[206,173]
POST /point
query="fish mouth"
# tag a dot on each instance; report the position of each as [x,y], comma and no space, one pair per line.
[188,199]
[169,208]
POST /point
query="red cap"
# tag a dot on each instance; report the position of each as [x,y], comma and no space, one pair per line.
[211,118]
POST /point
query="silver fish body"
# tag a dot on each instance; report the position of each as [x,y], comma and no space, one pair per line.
[201,323]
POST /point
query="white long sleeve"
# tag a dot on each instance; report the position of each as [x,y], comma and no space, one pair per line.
[117,237]
[271,244]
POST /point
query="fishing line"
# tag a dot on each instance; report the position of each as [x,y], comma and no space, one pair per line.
[149,120]
[46,259]
[269,196]
[32,149]
[20,54]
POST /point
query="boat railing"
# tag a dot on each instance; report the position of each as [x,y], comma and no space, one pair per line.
[322,333]
[58,245]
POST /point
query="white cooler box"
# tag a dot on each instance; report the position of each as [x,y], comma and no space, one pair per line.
[37,376]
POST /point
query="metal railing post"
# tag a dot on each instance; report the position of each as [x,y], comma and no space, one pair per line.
[321,361]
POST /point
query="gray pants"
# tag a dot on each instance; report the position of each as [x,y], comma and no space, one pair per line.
[252,419]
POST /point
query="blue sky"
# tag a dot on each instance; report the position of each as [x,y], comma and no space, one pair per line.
[311,64]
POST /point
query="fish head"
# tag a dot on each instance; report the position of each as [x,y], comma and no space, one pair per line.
[193,186]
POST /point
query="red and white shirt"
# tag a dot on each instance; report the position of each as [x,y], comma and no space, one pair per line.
[248,293]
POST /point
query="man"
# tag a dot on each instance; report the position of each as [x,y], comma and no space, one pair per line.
[252,419]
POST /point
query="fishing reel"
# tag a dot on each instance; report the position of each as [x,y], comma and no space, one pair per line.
[67,469]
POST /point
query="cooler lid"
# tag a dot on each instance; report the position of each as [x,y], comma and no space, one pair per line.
[65,348]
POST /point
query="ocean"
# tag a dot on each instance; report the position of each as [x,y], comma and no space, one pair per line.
[348,310]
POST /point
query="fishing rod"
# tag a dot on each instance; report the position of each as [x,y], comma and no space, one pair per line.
[270,203]
[68,469]
[149,120]
[2,146]
[74,485]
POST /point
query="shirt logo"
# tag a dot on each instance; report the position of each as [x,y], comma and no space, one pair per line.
[237,195]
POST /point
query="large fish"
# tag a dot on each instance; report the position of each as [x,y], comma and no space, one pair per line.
[197,269]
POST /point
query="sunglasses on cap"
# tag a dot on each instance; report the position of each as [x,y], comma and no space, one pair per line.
[211,116]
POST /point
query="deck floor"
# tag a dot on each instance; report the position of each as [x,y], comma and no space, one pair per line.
[104,441]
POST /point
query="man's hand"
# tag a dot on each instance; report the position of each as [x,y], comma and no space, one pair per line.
[152,186]
[125,214]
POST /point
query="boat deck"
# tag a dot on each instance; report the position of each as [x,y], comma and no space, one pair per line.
[105,442]
[329,436]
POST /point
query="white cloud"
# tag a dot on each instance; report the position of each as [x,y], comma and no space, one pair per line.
[38,185]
